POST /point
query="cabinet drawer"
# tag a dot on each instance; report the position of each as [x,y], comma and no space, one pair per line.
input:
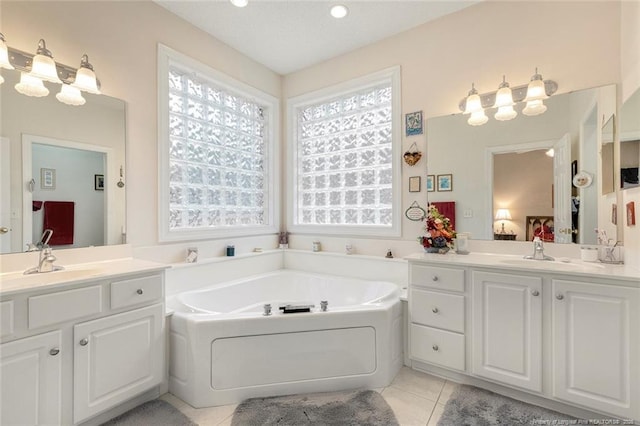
[437,277]
[437,346]
[6,318]
[437,309]
[135,291]
[64,306]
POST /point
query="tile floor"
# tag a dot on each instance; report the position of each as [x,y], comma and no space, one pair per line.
[416,399]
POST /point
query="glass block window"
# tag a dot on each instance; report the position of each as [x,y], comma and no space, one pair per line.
[345,163]
[218,143]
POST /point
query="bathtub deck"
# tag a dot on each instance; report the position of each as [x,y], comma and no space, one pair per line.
[416,399]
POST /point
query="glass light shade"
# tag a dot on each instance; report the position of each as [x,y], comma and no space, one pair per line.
[550,152]
[504,97]
[505,113]
[478,118]
[1,79]
[239,3]
[503,214]
[86,81]
[536,90]
[536,107]
[31,86]
[70,95]
[339,11]
[4,56]
[473,104]
[44,68]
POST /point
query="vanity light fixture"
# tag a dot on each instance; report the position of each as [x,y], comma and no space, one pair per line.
[239,3]
[503,214]
[39,68]
[506,97]
[504,102]
[339,11]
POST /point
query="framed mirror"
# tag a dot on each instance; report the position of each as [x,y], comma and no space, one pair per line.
[55,153]
[630,141]
[527,165]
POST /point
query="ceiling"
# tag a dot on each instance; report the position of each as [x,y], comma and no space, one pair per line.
[287,36]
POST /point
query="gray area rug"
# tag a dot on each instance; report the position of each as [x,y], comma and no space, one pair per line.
[152,413]
[471,406]
[334,408]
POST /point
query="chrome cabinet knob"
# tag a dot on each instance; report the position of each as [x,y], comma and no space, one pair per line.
[535,293]
[435,310]
[84,342]
[140,291]
[559,296]
[54,351]
[434,278]
[435,348]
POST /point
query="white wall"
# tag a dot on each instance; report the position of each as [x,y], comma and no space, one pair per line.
[75,170]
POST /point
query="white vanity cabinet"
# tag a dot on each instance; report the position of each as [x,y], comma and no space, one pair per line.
[569,337]
[507,328]
[31,375]
[79,349]
[596,356]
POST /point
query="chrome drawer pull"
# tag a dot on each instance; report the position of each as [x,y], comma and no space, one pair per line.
[535,293]
[435,310]
[54,351]
[84,342]
[140,291]
[435,348]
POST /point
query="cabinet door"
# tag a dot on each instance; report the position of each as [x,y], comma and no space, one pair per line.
[116,358]
[596,346]
[507,329]
[30,369]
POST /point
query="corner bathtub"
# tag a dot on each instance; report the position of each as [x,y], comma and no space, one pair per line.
[224,350]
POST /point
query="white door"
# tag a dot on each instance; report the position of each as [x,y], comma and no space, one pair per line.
[596,346]
[31,378]
[5,196]
[116,358]
[562,190]
[507,329]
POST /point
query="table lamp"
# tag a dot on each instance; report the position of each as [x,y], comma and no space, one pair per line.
[503,214]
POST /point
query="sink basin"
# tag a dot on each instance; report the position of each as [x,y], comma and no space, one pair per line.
[549,264]
[18,279]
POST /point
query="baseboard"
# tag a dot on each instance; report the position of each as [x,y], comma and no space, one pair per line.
[153,393]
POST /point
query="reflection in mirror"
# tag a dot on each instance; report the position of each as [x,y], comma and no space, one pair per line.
[608,161]
[630,141]
[57,151]
[497,170]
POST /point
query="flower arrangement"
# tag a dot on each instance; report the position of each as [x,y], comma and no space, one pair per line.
[439,234]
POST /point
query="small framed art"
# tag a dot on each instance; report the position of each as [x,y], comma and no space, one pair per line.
[414,184]
[413,123]
[431,183]
[98,182]
[445,182]
[48,178]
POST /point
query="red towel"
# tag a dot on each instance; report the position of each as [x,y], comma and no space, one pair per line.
[447,209]
[58,216]
[37,205]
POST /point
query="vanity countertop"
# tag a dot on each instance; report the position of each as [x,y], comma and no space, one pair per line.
[560,266]
[12,283]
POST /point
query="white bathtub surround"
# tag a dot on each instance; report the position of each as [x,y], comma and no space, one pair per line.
[223,349]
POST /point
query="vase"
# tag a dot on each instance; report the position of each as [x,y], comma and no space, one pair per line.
[440,250]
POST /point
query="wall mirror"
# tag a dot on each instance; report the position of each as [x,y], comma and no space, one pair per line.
[607,154]
[630,141]
[56,152]
[526,166]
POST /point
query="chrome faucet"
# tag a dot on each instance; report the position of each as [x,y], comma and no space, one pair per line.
[538,251]
[46,259]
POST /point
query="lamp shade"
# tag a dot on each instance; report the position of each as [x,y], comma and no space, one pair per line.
[85,77]
[503,214]
[505,113]
[478,118]
[534,107]
[473,102]
[70,95]
[31,86]
[504,97]
[43,65]
[4,54]
[536,90]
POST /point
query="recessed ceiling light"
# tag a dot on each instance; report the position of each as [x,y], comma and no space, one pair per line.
[239,3]
[339,11]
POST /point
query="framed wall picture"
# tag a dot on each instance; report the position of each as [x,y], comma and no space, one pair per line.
[445,182]
[414,184]
[431,183]
[631,213]
[413,123]
[540,226]
[98,182]
[48,178]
